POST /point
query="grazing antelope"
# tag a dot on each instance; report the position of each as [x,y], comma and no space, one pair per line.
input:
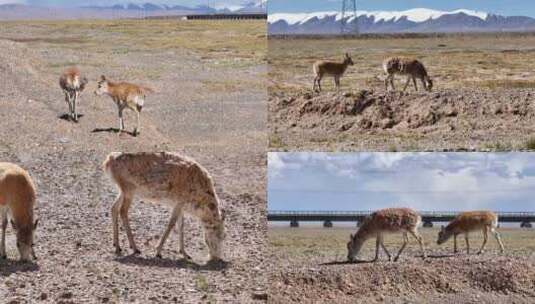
[334,69]
[125,95]
[406,66]
[17,200]
[172,179]
[466,222]
[72,85]
[391,220]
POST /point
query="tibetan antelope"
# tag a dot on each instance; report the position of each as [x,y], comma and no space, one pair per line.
[466,222]
[334,69]
[406,66]
[177,181]
[391,220]
[125,95]
[17,200]
[72,85]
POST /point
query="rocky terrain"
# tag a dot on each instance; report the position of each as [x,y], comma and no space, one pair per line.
[192,112]
[445,119]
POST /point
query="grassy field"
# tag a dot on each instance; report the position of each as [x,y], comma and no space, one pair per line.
[491,61]
[303,243]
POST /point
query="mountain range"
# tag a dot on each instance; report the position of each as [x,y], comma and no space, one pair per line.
[124,10]
[419,20]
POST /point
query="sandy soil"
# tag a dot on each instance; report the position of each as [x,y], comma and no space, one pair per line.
[312,268]
[443,120]
[222,127]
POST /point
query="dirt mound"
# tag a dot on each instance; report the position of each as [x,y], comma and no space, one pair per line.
[462,114]
[435,276]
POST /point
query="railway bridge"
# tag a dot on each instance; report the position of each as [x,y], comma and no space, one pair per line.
[428,217]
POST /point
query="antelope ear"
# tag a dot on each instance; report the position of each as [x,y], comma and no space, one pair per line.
[103,78]
[13,224]
[35,224]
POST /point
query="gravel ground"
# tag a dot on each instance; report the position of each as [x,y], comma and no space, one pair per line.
[222,129]
[444,120]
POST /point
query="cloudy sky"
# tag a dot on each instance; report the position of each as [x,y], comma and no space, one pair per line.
[424,181]
[76,3]
[502,7]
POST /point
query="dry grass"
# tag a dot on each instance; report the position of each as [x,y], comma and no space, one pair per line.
[215,39]
[313,242]
[490,61]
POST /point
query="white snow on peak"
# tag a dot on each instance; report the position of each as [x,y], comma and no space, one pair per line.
[415,15]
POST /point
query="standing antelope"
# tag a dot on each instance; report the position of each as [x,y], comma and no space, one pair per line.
[17,200]
[125,95]
[406,66]
[334,69]
[466,222]
[391,220]
[72,85]
[174,180]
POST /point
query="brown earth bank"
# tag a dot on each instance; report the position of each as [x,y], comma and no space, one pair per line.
[443,120]
[193,112]
[311,267]
[487,278]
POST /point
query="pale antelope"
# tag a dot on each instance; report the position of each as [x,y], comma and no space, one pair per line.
[125,95]
[391,220]
[466,222]
[17,200]
[72,85]
[406,66]
[177,181]
[334,69]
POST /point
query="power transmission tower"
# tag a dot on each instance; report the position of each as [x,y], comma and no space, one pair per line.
[349,13]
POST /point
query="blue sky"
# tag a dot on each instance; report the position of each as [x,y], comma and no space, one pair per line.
[424,181]
[70,3]
[501,7]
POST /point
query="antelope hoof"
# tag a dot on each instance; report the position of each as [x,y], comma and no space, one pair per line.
[118,250]
[135,133]
[158,255]
[186,256]
[480,252]
[3,256]
[136,251]
[396,259]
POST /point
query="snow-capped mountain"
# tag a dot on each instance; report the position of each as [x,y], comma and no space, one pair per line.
[122,10]
[416,20]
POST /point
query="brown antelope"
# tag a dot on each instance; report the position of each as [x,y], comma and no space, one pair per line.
[172,179]
[17,200]
[406,66]
[334,69]
[125,95]
[466,222]
[72,85]
[391,220]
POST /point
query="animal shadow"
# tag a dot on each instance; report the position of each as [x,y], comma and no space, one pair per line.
[68,117]
[171,263]
[345,262]
[8,267]
[113,130]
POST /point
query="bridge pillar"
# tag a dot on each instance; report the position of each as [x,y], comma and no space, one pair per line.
[428,224]
[526,224]
[327,224]
[294,224]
